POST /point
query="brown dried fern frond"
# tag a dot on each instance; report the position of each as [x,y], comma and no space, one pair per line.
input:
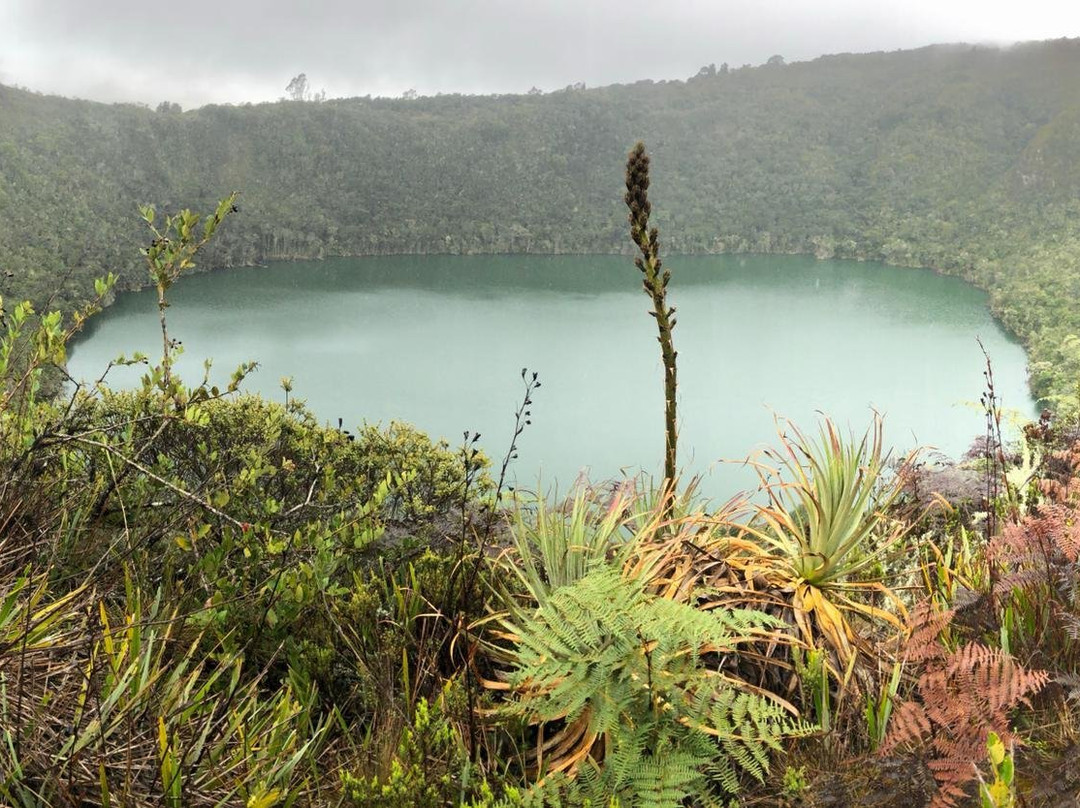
[1037,563]
[1053,530]
[1071,624]
[1060,481]
[924,640]
[961,695]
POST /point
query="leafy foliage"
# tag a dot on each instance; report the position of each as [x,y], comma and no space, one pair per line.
[824,524]
[829,520]
[256,530]
[557,546]
[96,709]
[429,770]
[626,676]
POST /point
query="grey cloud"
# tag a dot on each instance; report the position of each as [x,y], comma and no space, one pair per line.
[240,50]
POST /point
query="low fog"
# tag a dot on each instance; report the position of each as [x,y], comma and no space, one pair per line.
[248,50]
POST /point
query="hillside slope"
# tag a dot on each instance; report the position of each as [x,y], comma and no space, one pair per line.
[962,158]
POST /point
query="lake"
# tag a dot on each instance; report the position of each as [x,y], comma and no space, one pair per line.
[440,341]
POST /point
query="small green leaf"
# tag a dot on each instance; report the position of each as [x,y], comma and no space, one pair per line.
[1005,771]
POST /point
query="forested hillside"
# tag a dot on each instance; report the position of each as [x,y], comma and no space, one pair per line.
[210,599]
[962,158]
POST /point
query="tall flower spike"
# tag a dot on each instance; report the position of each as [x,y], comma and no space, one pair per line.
[637,189]
[655,283]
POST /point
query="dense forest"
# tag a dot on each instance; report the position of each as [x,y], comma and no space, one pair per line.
[960,158]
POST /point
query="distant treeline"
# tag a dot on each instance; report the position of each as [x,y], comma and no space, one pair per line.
[961,158]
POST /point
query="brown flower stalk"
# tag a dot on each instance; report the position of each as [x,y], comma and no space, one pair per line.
[655,281]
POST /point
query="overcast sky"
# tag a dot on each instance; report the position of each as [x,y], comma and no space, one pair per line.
[248,50]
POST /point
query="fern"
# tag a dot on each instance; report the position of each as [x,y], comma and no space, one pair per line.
[1070,683]
[617,682]
[1038,566]
[963,695]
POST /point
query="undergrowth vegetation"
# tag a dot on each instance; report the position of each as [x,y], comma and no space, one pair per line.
[208,598]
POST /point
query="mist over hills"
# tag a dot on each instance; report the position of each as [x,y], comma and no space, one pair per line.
[961,158]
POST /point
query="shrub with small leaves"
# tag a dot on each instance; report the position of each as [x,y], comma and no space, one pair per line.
[429,769]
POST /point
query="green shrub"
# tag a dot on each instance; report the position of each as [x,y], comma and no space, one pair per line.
[429,769]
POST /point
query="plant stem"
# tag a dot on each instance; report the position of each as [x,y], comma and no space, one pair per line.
[655,283]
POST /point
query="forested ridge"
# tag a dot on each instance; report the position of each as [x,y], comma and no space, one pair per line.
[961,158]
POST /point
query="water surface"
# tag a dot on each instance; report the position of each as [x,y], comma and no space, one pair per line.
[440,341]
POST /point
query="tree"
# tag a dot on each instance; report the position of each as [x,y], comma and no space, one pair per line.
[298,88]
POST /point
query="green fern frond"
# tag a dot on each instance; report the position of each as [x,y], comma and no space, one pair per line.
[605,651]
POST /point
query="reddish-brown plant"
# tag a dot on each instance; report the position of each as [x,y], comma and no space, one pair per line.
[960,696]
[1036,564]
[1060,478]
